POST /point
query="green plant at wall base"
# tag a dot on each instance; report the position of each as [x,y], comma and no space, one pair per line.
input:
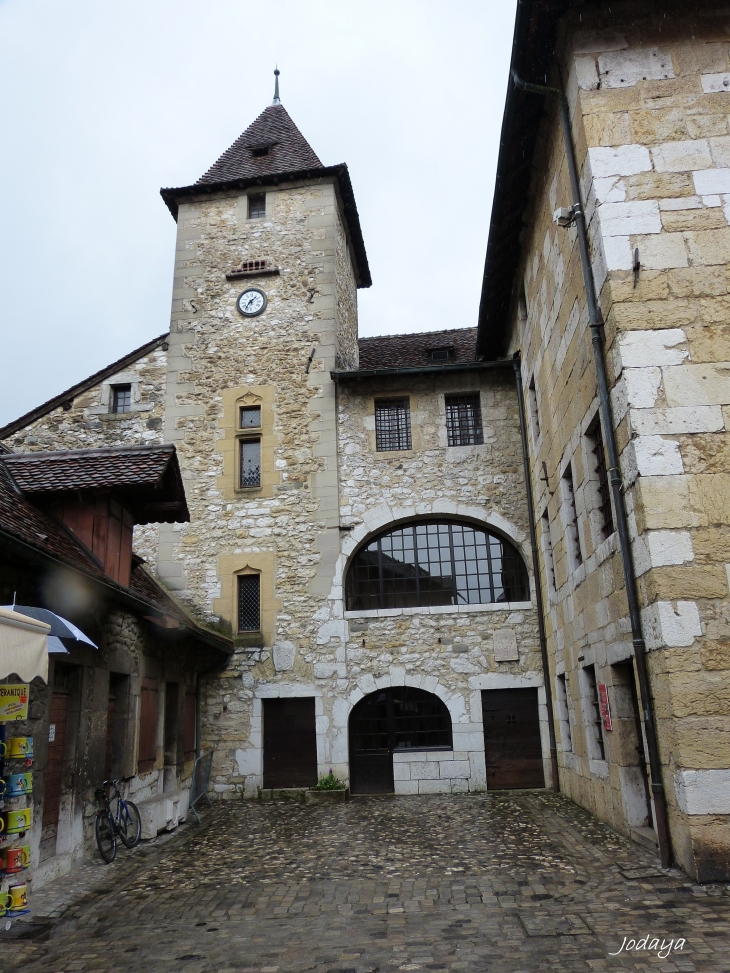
[329,783]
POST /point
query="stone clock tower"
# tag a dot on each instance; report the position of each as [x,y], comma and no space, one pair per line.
[268,261]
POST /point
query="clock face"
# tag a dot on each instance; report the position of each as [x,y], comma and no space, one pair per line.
[252,302]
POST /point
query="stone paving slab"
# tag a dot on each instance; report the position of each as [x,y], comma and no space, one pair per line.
[505,883]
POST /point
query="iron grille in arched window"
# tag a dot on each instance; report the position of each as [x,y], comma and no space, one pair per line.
[435,563]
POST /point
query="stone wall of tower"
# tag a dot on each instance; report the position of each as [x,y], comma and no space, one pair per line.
[287,531]
[650,119]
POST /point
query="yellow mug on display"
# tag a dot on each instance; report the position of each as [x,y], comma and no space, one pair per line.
[18,895]
[20,747]
[17,821]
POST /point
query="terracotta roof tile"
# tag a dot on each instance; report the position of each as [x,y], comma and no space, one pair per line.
[416,350]
[273,130]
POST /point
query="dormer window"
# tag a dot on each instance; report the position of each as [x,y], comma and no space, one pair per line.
[441,354]
[260,151]
[257,206]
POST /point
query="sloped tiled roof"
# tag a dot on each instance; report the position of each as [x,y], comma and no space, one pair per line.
[20,519]
[149,476]
[274,130]
[88,383]
[414,350]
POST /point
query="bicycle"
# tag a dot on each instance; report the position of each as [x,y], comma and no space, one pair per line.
[124,821]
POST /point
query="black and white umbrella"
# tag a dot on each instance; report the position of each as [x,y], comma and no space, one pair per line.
[61,628]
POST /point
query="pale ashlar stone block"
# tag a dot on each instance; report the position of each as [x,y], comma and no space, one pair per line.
[656,456]
[703,791]
[505,645]
[620,160]
[681,202]
[716,82]
[645,348]
[642,385]
[618,253]
[624,69]
[701,384]
[668,625]
[667,547]
[621,219]
[682,156]
[609,189]
[720,149]
[586,73]
[598,41]
[710,181]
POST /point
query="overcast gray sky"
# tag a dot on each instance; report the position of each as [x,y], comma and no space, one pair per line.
[103,103]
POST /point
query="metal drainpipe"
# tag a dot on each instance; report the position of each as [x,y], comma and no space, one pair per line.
[536,573]
[596,326]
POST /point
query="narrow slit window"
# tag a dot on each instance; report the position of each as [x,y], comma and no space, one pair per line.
[548,551]
[571,518]
[122,398]
[534,414]
[564,714]
[595,438]
[464,420]
[249,603]
[257,206]
[250,463]
[392,424]
[594,713]
[251,417]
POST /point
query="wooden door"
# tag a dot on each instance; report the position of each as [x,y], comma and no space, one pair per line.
[147,751]
[512,744]
[54,764]
[290,743]
[109,749]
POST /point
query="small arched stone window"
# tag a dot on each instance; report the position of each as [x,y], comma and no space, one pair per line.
[435,562]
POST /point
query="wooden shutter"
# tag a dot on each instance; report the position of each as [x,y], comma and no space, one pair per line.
[147,753]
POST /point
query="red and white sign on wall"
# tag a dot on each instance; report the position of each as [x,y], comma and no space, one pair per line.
[605,708]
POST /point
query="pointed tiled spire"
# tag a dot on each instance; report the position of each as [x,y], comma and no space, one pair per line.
[271,145]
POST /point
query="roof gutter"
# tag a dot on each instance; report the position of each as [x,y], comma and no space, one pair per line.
[126,598]
[475,366]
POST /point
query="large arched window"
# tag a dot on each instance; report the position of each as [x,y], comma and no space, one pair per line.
[443,562]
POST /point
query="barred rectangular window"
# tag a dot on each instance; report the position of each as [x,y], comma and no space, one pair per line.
[571,519]
[392,424]
[464,420]
[604,491]
[249,603]
[257,206]
[250,416]
[122,398]
[595,723]
[250,463]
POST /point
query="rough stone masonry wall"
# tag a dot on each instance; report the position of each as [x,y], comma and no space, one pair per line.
[90,424]
[650,107]
[447,650]
[281,531]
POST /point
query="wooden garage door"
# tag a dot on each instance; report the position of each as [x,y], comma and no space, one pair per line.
[290,743]
[512,739]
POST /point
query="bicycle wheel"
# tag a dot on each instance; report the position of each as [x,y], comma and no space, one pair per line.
[106,838]
[130,826]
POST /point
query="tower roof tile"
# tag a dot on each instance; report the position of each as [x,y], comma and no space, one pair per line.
[271,145]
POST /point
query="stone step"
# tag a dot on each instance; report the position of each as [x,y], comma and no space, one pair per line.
[283,793]
[646,837]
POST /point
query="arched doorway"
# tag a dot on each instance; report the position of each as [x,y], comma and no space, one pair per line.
[394,719]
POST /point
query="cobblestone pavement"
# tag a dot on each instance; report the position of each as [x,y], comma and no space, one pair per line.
[505,883]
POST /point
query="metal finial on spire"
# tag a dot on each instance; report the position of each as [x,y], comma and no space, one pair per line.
[277,100]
